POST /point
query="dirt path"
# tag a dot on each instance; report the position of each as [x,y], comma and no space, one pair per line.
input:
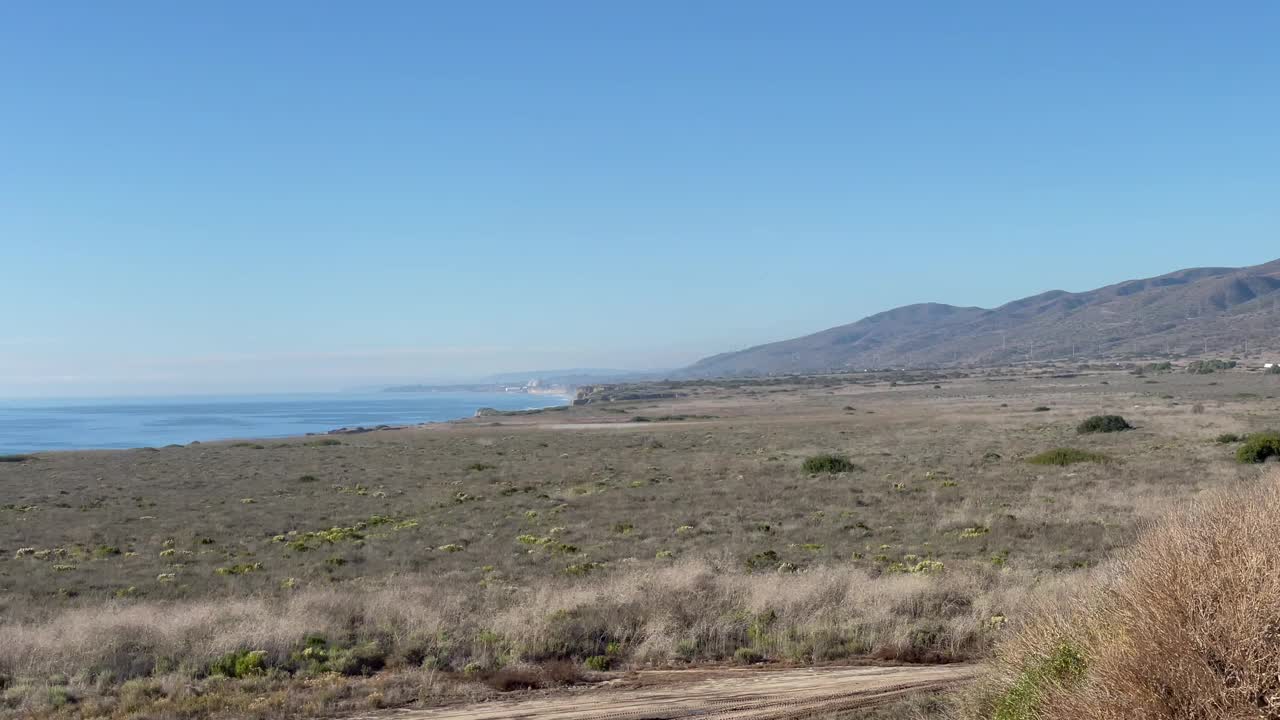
[714,695]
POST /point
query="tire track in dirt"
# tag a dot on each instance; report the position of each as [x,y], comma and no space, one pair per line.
[735,694]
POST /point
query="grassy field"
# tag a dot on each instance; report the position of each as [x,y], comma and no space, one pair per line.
[941,501]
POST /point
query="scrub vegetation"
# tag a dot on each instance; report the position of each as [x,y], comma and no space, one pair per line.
[900,517]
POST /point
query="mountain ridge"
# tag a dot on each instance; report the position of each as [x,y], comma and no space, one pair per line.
[1187,311]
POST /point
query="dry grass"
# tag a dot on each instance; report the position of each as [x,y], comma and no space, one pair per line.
[1185,627]
[483,556]
[646,616]
[932,463]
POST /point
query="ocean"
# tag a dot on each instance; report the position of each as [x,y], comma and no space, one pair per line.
[28,426]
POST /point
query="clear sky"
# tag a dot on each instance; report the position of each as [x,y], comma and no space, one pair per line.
[288,195]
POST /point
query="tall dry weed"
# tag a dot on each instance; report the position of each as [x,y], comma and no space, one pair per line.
[691,611]
[1186,626]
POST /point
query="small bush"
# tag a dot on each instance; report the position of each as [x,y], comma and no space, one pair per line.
[767,560]
[360,660]
[15,458]
[1182,629]
[747,656]
[584,568]
[1104,424]
[599,663]
[240,664]
[1226,438]
[1273,370]
[1064,665]
[238,569]
[1066,456]
[60,696]
[560,672]
[1205,367]
[509,679]
[105,551]
[1258,447]
[1041,408]
[548,675]
[829,464]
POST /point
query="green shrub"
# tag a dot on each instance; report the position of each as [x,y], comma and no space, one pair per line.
[599,663]
[363,659]
[1205,367]
[313,658]
[480,467]
[105,551]
[828,463]
[1273,370]
[1065,665]
[15,458]
[238,569]
[584,568]
[60,696]
[747,656]
[1041,408]
[240,664]
[1258,447]
[687,649]
[1226,438]
[1103,423]
[1066,456]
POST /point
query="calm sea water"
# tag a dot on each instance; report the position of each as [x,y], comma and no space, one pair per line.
[35,425]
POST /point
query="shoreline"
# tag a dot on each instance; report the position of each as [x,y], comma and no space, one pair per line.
[112,406]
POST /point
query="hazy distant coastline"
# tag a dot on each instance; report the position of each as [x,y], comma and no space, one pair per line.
[29,426]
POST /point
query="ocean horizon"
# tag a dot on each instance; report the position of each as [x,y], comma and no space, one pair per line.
[41,425]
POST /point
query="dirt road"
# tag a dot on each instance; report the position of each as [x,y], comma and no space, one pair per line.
[715,695]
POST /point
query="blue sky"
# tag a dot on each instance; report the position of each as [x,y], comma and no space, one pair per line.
[300,195]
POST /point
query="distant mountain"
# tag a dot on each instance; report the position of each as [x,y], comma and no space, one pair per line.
[1182,313]
[571,376]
